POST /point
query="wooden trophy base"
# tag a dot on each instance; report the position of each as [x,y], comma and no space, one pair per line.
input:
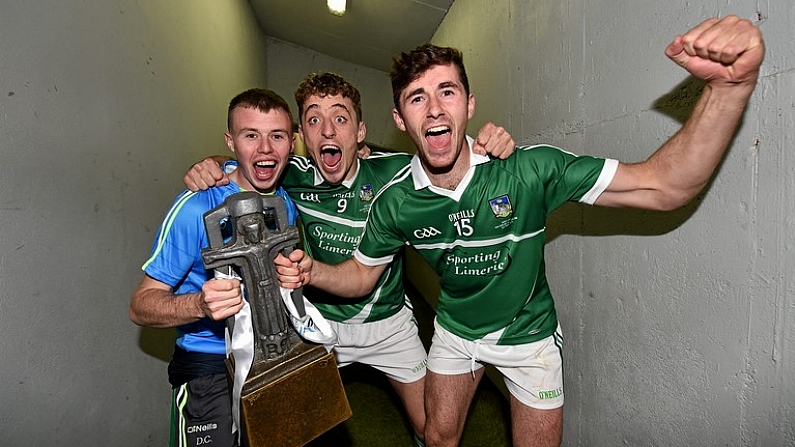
[295,401]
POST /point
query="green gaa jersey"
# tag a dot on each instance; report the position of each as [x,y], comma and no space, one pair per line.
[333,218]
[486,238]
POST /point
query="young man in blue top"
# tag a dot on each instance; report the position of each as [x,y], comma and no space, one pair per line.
[480,223]
[176,290]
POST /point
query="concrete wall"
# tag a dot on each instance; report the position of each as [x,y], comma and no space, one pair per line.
[102,106]
[289,64]
[680,327]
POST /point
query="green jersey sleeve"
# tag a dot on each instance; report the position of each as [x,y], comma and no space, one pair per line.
[382,238]
[564,176]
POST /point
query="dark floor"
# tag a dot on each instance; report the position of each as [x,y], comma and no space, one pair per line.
[378,419]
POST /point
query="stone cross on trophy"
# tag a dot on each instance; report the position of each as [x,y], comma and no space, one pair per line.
[292,392]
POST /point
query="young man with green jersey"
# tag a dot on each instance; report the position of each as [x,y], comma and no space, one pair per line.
[480,223]
[333,191]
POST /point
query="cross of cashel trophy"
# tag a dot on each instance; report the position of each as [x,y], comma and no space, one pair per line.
[292,392]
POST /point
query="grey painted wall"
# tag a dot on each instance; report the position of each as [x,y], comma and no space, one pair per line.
[289,64]
[102,106]
[680,327]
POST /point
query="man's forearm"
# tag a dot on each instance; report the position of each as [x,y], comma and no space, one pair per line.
[686,162]
[162,309]
[348,279]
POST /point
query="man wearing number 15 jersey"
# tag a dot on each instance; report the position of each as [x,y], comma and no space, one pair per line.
[480,223]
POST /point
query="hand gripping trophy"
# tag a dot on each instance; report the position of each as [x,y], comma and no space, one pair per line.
[286,391]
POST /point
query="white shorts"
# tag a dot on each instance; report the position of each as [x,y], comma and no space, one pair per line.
[533,372]
[391,345]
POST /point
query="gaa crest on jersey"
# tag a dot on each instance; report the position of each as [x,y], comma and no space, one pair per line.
[366,192]
[501,206]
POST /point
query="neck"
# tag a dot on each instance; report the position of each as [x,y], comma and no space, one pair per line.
[246,186]
[352,172]
[450,177]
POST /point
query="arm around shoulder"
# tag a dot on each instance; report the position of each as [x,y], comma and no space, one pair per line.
[206,173]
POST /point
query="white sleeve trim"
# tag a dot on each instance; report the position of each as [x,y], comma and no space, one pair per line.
[372,262]
[605,177]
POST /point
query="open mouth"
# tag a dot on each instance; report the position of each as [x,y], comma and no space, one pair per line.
[264,169]
[330,155]
[438,136]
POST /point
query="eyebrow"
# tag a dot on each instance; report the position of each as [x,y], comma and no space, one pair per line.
[335,105]
[416,91]
[252,129]
[449,84]
[441,86]
[248,129]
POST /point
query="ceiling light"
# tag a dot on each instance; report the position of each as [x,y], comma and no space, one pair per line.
[336,7]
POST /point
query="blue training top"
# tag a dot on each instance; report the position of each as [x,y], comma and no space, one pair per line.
[176,259]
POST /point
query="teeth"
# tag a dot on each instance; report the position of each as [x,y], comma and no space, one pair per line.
[266,164]
[437,130]
[329,148]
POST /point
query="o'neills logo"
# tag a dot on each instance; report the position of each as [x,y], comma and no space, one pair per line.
[202,428]
[550,394]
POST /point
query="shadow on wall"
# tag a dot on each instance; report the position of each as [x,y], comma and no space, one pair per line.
[585,220]
[158,343]
[681,100]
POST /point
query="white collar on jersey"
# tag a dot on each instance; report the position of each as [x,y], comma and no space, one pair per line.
[421,179]
[318,180]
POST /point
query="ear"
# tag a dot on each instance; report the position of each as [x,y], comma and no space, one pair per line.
[398,120]
[471,106]
[299,146]
[362,132]
[292,142]
[229,142]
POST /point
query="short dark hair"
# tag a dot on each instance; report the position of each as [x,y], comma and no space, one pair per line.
[327,84]
[261,99]
[408,66]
